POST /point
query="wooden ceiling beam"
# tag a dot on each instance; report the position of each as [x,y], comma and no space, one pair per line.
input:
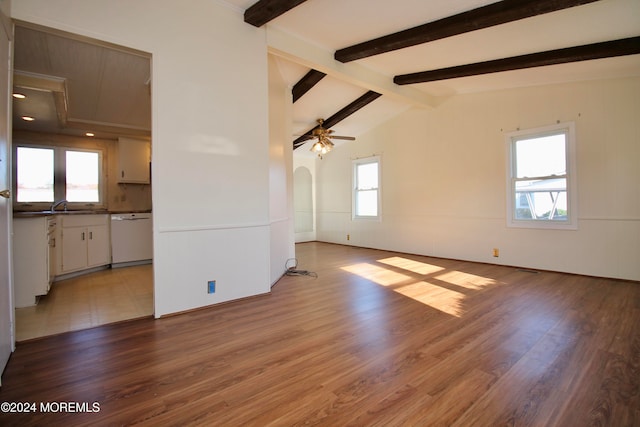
[365,99]
[298,51]
[264,11]
[306,83]
[622,47]
[476,19]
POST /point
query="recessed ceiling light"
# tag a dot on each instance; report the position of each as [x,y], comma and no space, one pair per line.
[90,134]
[19,96]
[27,118]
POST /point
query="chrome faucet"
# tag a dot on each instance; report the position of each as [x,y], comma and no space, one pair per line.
[58,203]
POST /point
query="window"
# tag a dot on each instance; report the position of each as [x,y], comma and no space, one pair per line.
[35,175]
[541,178]
[366,188]
[83,177]
[48,174]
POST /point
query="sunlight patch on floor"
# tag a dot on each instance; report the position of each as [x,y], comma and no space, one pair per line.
[438,297]
[443,299]
[465,280]
[379,275]
[411,265]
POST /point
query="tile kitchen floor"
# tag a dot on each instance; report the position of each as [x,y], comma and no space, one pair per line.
[83,302]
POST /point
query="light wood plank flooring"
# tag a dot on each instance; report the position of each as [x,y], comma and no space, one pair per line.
[94,299]
[377,339]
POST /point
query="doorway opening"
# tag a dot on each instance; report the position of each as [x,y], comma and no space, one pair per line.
[80,95]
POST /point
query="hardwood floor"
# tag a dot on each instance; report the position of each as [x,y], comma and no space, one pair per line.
[377,339]
[83,302]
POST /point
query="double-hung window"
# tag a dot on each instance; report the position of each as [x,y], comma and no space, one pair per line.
[541,189]
[366,188]
[45,175]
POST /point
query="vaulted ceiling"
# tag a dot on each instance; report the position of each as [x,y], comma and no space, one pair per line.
[415,52]
[355,63]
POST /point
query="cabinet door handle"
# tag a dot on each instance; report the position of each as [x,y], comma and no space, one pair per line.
[91,235]
[122,174]
[83,235]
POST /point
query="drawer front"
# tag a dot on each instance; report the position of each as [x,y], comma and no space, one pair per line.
[83,220]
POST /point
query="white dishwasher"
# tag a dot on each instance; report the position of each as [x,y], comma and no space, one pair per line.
[131,239]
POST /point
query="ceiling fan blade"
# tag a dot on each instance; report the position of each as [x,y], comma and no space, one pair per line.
[348,138]
[300,143]
[322,134]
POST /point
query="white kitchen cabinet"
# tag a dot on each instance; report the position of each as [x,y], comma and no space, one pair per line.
[98,245]
[134,161]
[74,249]
[31,259]
[85,242]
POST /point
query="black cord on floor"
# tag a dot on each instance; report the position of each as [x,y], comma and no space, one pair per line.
[292,270]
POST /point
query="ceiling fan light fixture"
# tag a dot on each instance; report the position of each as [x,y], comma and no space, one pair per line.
[323,143]
[317,147]
[322,146]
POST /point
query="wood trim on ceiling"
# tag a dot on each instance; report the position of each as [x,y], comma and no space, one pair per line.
[609,49]
[365,99]
[306,83]
[264,11]
[482,17]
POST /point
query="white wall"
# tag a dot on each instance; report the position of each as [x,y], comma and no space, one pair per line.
[444,180]
[210,138]
[280,172]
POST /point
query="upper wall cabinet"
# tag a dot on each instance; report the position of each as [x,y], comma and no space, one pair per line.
[134,161]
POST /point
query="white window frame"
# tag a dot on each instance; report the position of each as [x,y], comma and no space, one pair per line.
[571,223]
[354,205]
[59,184]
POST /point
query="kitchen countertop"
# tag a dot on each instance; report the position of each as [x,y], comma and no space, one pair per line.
[31,214]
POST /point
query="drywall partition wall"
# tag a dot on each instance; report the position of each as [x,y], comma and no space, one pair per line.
[280,172]
[210,144]
[444,180]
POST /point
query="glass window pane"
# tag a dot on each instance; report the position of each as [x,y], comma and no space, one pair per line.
[543,156]
[541,199]
[366,193]
[367,203]
[83,170]
[367,175]
[34,174]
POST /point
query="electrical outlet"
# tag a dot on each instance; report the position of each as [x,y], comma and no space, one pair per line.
[211,287]
[496,252]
